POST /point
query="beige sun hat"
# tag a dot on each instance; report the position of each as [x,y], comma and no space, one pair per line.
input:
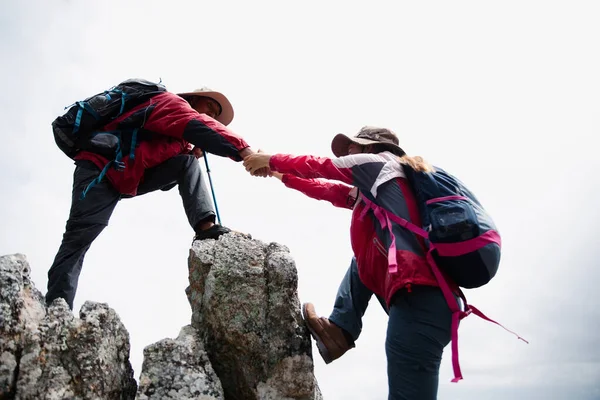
[226,115]
[367,135]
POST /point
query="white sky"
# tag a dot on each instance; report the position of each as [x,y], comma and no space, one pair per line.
[503,94]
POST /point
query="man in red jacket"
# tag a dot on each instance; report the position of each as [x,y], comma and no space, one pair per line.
[174,130]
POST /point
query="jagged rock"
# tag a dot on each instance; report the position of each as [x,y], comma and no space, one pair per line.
[21,309]
[245,305]
[56,355]
[178,369]
[247,339]
[83,358]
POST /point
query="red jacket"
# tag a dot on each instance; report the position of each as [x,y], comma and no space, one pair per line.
[379,177]
[164,120]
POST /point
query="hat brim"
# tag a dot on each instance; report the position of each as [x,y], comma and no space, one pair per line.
[226,115]
[341,142]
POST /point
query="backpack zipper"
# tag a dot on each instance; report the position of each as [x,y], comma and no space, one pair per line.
[379,247]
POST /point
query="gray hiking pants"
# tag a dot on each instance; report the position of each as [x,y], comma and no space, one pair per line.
[418,330]
[89,216]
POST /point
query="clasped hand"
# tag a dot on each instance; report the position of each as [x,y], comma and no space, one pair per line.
[258,164]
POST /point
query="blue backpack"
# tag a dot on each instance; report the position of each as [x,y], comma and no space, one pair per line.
[80,128]
[76,129]
[464,238]
[463,242]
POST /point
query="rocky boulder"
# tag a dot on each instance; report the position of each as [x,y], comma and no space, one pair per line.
[245,306]
[50,354]
[179,369]
[247,339]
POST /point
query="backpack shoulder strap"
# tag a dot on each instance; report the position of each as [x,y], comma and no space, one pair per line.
[385,219]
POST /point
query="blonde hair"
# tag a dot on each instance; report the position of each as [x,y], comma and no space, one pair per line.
[417,163]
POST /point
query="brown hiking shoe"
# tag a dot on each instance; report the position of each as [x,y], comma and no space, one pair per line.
[330,338]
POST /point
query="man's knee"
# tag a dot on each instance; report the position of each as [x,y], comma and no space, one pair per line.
[80,234]
[186,164]
[188,160]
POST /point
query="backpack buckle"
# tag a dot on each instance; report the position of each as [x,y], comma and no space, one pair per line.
[120,166]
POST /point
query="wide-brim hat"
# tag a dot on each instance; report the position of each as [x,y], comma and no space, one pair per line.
[366,136]
[226,115]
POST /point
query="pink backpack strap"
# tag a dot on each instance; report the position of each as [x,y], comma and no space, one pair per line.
[481,315]
[385,218]
[457,314]
[458,249]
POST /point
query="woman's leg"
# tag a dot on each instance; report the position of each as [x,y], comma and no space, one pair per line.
[418,330]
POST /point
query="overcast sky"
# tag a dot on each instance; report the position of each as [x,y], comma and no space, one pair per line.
[505,95]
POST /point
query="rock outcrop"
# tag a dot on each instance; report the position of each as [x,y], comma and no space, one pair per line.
[179,369]
[50,354]
[245,305]
[246,340]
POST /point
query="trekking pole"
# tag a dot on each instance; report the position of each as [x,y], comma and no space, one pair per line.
[212,189]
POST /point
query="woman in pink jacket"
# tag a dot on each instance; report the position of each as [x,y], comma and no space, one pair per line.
[371,167]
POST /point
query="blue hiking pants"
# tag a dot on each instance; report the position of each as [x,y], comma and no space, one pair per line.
[90,215]
[418,330]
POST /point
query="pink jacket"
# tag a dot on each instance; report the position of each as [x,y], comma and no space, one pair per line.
[380,178]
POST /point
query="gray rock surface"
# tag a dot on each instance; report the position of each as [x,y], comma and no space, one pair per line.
[179,369]
[21,310]
[245,305]
[247,339]
[52,354]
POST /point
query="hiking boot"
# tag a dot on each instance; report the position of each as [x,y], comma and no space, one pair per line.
[212,233]
[331,339]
